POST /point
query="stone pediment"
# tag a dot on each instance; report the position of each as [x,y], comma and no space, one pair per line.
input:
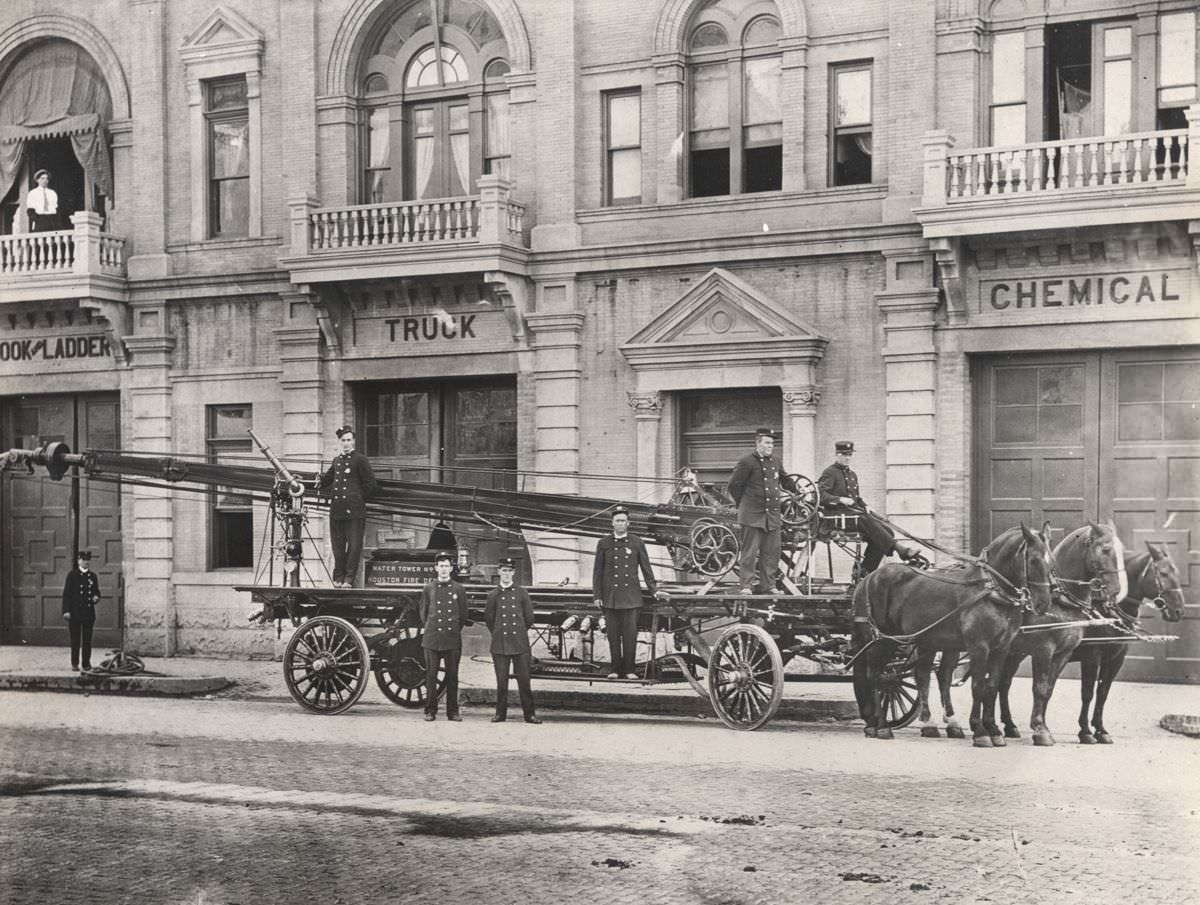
[222,30]
[722,315]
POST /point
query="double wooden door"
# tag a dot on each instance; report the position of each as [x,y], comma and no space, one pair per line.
[1070,437]
[43,522]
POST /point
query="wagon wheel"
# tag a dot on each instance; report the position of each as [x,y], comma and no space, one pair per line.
[899,700]
[799,509]
[326,664]
[714,548]
[745,677]
[400,670]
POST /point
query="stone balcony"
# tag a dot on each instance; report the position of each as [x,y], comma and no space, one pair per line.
[484,232]
[1095,181]
[78,263]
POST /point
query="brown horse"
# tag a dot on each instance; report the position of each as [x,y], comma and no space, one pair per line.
[978,610]
[1152,577]
[1089,568]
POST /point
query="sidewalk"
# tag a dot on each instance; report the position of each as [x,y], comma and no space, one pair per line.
[47,668]
[1135,708]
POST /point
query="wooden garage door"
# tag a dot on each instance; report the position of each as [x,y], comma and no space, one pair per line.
[1080,436]
[44,521]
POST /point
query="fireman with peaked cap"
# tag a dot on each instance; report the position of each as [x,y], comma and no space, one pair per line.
[839,496]
[616,589]
[349,483]
[80,595]
[757,486]
[509,615]
[443,615]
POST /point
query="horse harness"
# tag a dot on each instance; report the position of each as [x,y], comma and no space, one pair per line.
[1017,596]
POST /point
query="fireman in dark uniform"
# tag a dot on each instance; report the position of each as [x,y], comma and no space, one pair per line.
[757,486]
[619,557]
[81,593]
[350,483]
[443,614]
[509,614]
[839,496]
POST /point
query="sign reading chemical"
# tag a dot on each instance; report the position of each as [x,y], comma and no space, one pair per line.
[1102,295]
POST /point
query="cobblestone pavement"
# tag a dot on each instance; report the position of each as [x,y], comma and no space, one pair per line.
[140,801]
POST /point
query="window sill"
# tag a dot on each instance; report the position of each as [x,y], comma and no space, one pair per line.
[724,202]
[223,244]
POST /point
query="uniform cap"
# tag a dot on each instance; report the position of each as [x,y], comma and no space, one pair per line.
[41,173]
[764,432]
[84,554]
[506,563]
[343,430]
[620,510]
[844,446]
[444,555]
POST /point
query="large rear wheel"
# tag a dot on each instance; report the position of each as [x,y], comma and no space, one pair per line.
[745,677]
[400,670]
[326,665]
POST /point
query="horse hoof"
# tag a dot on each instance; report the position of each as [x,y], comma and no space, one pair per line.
[884,734]
[1012,732]
[982,741]
[955,732]
[870,732]
[930,732]
[1043,740]
[1086,738]
[998,741]
[1103,738]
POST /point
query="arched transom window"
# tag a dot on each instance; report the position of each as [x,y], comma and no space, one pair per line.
[435,102]
[735,114]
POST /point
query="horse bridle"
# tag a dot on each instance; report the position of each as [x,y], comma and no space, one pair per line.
[1021,593]
[1095,585]
[1159,602]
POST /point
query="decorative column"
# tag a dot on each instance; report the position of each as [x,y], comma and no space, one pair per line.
[910,378]
[144,199]
[557,372]
[647,412]
[800,440]
[793,77]
[150,619]
[669,103]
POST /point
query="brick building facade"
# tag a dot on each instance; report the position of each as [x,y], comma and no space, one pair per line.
[594,242]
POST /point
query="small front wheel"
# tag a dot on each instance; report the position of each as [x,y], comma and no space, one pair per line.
[745,677]
[326,665]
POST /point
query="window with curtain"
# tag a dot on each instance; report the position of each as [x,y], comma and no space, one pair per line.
[850,111]
[434,103]
[54,93]
[227,113]
[230,514]
[735,113]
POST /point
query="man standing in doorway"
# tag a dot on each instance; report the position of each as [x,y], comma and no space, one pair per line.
[352,483]
[615,587]
[42,205]
[757,486]
[81,593]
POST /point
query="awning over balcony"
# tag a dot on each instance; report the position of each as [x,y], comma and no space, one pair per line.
[55,90]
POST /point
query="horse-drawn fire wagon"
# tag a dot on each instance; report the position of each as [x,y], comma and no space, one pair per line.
[733,649]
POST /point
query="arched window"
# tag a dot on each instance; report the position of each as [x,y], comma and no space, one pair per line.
[56,107]
[435,102]
[735,111]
